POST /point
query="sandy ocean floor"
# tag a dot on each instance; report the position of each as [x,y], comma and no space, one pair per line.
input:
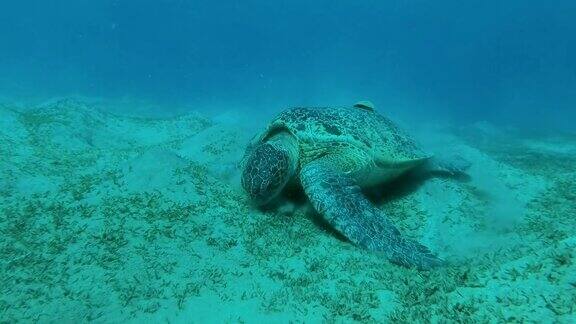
[118,219]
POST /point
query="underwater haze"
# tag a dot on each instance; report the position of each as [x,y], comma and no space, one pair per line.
[509,62]
[152,168]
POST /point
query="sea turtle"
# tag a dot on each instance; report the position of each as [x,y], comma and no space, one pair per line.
[333,152]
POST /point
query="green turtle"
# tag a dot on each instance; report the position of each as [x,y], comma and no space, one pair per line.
[333,152]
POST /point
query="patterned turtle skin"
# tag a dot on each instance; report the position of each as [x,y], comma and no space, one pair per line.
[333,152]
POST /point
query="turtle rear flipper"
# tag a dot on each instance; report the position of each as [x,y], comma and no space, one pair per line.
[340,201]
[452,165]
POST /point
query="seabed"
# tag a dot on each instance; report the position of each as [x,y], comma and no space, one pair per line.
[116,219]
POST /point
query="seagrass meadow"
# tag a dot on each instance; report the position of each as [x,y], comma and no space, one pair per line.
[117,218]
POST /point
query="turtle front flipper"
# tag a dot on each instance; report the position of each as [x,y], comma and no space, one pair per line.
[340,201]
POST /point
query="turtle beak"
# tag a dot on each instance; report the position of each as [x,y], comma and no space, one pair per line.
[260,189]
[262,200]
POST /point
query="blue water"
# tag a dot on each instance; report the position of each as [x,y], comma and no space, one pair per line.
[511,62]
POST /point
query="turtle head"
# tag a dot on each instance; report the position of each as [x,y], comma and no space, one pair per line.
[267,169]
